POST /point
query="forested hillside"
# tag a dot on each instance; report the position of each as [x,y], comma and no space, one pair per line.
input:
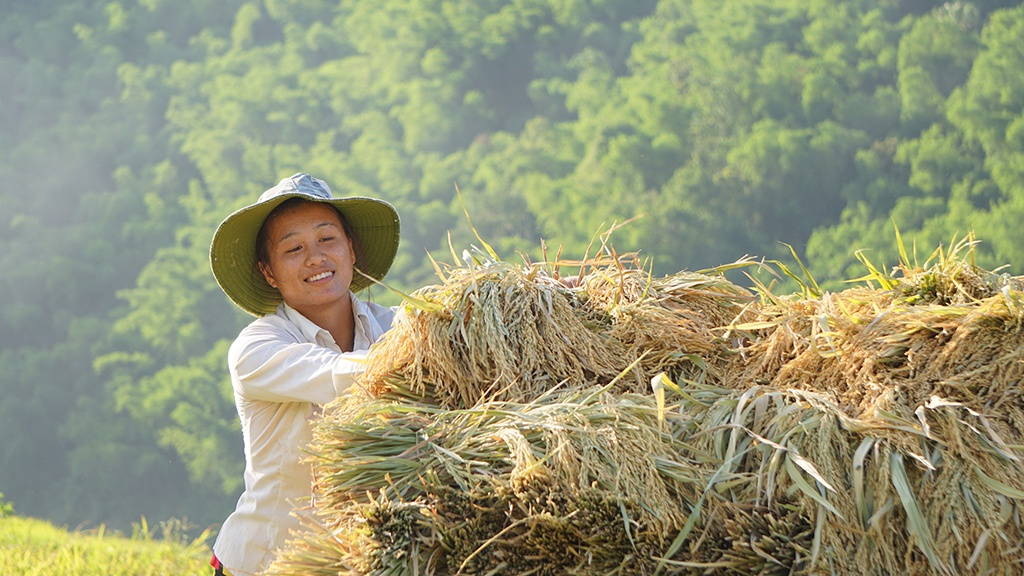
[129,129]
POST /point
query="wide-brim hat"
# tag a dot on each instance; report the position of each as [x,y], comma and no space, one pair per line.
[374,223]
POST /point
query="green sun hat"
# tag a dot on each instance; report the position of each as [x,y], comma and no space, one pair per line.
[233,250]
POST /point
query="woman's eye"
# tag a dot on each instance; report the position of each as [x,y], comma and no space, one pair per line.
[327,239]
[293,249]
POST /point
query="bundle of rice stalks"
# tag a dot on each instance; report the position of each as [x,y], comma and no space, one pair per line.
[513,424]
[503,332]
[671,324]
[760,481]
[948,277]
[872,348]
[577,483]
[806,489]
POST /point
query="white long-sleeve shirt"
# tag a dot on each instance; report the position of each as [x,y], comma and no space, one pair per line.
[283,366]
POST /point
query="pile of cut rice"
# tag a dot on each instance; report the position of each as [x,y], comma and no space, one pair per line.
[515,423]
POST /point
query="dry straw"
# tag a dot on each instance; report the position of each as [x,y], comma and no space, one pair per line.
[624,424]
[501,332]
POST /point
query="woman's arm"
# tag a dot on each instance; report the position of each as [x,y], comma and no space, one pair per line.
[270,364]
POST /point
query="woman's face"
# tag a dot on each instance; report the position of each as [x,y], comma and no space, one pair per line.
[310,258]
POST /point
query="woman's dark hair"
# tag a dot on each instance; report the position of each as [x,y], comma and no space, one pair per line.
[263,243]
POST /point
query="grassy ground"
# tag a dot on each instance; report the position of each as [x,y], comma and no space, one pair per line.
[35,547]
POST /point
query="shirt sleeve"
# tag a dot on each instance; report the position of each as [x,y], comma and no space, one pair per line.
[269,364]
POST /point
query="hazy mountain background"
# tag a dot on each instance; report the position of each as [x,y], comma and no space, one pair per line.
[129,129]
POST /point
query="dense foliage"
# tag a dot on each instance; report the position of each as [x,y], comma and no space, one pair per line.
[723,127]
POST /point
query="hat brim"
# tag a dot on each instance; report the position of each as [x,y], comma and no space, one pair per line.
[374,223]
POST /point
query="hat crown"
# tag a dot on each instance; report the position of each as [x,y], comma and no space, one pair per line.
[300,183]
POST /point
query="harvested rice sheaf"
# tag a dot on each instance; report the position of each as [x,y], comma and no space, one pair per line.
[503,332]
[512,424]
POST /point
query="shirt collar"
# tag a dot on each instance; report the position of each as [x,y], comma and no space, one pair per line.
[314,333]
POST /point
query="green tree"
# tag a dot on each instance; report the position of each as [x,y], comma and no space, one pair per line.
[93,191]
[989,109]
[957,160]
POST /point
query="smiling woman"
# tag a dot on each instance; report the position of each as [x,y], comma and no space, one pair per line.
[294,259]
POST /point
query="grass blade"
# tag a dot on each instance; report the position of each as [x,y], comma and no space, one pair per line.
[916,524]
[805,486]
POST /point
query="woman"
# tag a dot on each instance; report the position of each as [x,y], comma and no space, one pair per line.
[293,260]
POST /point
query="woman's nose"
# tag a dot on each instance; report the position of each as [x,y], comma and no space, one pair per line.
[315,255]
